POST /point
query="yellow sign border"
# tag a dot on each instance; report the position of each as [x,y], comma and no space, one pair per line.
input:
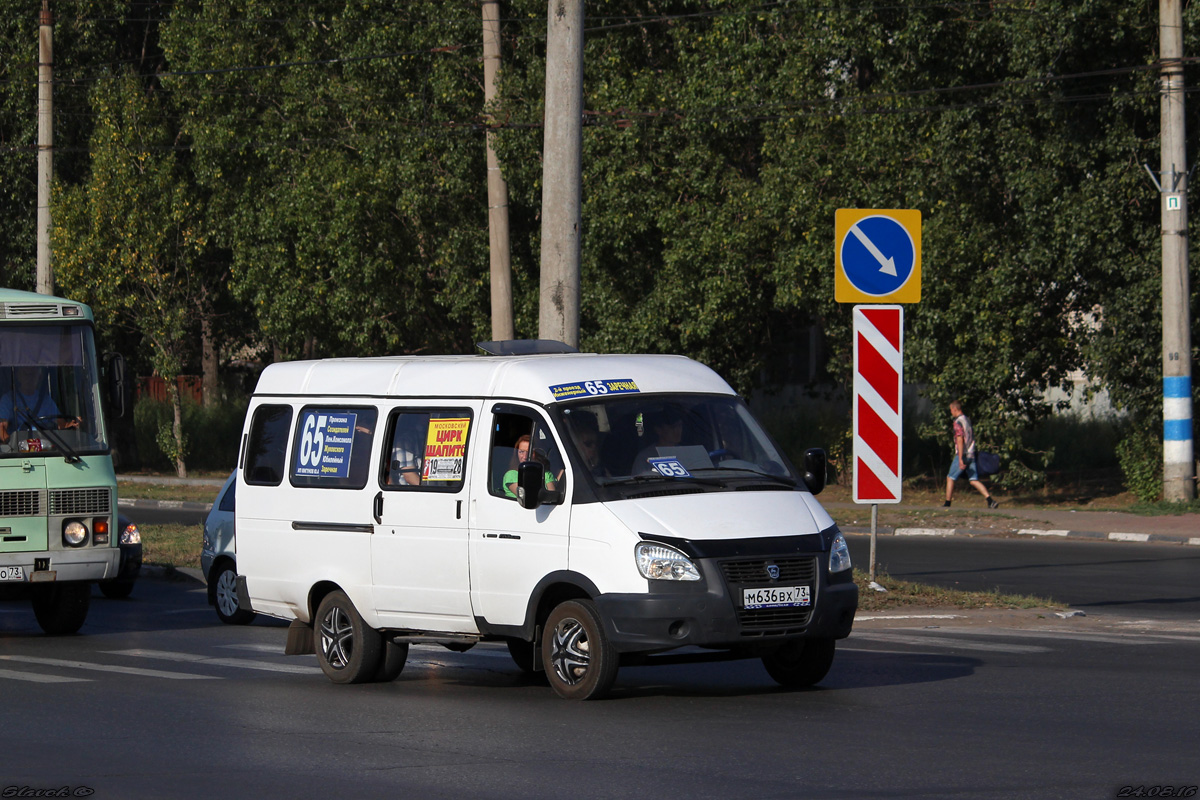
[843,290]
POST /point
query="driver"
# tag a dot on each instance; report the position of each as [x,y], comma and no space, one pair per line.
[30,397]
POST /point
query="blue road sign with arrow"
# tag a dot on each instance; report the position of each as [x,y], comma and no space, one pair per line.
[878,256]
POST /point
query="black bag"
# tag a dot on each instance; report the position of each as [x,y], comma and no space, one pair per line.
[986,463]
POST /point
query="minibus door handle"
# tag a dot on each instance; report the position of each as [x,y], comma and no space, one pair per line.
[378,509]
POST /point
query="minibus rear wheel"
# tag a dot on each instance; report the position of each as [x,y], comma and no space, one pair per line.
[801,663]
[348,649]
[580,662]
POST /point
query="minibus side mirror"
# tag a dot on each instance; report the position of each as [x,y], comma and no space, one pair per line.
[118,383]
[531,478]
[814,469]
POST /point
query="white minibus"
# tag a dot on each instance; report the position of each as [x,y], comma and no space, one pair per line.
[587,510]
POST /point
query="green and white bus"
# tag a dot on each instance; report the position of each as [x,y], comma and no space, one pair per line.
[58,490]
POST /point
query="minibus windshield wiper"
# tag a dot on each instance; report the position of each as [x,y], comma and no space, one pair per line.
[655,477]
[70,456]
[785,480]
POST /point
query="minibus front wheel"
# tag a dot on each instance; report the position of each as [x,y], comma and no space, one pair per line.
[580,662]
[348,649]
[801,663]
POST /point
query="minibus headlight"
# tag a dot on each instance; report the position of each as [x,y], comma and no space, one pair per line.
[658,562]
[839,554]
[75,533]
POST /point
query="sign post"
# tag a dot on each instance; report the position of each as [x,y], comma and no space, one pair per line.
[878,258]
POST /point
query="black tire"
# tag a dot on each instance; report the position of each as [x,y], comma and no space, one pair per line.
[801,663]
[117,588]
[580,662]
[62,607]
[225,599]
[391,664]
[522,653]
[348,650]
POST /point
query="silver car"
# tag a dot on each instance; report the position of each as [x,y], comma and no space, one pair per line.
[218,557]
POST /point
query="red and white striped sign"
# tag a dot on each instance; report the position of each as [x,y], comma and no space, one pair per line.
[878,402]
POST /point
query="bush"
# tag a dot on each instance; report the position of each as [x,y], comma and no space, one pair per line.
[211,434]
[1141,457]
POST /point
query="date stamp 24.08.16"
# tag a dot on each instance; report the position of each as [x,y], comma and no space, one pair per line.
[1161,790]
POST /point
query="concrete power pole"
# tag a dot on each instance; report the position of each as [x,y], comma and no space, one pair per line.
[45,159]
[497,187]
[1178,466]
[562,173]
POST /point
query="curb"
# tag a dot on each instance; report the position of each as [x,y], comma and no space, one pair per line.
[1114,536]
[174,505]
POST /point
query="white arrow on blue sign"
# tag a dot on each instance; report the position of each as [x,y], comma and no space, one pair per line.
[878,255]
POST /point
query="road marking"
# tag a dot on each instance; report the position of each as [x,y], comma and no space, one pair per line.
[239,663]
[1081,636]
[923,532]
[920,640]
[148,673]
[38,678]
[1032,532]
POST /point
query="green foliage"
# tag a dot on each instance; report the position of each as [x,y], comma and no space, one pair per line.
[211,434]
[1141,457]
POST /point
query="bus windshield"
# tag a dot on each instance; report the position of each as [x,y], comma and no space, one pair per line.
[49,391]
[711,439]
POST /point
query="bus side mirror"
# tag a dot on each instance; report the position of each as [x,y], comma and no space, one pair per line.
[118,383]
[531,478]
[814,469]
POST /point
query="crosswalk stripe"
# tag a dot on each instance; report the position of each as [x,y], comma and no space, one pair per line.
[1080,636]
[39,678]
[148,673]
[921,640]
[240,663]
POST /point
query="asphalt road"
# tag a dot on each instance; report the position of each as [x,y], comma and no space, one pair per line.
[157,699]
[1112,578]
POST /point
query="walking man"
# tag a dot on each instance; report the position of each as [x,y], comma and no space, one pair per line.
[964,456]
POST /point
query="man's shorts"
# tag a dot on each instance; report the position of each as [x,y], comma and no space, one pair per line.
[956,472]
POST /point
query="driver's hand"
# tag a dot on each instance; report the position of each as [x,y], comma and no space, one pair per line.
[3,430]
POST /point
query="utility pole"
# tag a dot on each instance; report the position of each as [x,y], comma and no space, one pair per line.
[497,187]
[45,158]
[562,173]
[1179,469]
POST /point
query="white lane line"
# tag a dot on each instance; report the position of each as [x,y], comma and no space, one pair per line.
[238,663]
[1081,636]
[36,678]
[148,673]
[919,640]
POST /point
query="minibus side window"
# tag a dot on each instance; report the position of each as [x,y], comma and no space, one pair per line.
[332,448]
[426,449]
[267,450]
[518,436]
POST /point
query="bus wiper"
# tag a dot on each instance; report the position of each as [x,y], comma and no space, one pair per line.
[654,477]
[71,457]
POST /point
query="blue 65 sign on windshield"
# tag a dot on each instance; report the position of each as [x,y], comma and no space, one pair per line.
[569,391]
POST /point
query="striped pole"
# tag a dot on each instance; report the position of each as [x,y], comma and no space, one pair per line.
[1178,469]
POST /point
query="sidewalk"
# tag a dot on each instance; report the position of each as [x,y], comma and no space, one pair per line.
[1114,526]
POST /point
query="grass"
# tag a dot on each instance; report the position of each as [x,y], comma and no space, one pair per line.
[172,545]
[904,594]
[163,491]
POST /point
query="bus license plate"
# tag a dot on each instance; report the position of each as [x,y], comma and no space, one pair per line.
[776,597]
[12,573]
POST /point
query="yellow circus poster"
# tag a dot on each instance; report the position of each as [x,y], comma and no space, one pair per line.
[445,450]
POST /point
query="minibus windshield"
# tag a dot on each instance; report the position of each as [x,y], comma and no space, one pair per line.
[49,394]
[701,438]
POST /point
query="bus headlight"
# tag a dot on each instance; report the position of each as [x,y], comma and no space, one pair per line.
[75,533]
[839,554]
[657,562]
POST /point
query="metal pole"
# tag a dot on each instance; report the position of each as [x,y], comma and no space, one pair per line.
[874,528]
[45,153]
[497,187]
[1178,466]
[562,173]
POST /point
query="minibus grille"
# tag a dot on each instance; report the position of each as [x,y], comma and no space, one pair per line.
[21,503]
[80,501]
[747,573]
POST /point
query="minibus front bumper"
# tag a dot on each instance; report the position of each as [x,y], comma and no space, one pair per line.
[710,613]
